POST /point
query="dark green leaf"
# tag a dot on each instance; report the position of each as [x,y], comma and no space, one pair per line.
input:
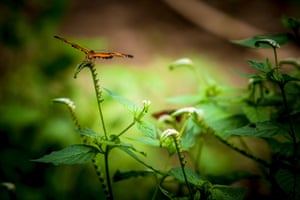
[260,66]
[290,23]
[261,129]
[288,78]
[229,178]
[74,154]
[288,181]
[222,192]
[221,126]
[281,39]
[123,175]
[281,149]
[192,177]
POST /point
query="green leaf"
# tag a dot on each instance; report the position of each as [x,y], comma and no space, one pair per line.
[188,138]
[183,62]
[127,103]
[149,141]
[281,149]
[192,177]
[223,125]
[261,129]
[290,23]
[281,39]
[288,78]
[257,113]
[147,128]
[287,180]
[222,192]
[89,133]
[123,175]
[74,154]
[260,66]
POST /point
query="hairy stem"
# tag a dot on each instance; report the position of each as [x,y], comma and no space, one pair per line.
[182,163]
[292,134]
[108,181]
[98,96]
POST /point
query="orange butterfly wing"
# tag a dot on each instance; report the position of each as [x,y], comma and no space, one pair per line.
[86,51]
[92,54]
[106,55]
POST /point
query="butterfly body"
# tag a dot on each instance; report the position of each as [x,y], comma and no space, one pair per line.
[91,54]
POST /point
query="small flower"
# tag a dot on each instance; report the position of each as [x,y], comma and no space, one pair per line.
[146,105]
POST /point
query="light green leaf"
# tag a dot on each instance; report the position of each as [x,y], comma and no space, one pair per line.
[257,113]
[148,141]
[89,133]
[147,128]
[223,192]
[74,154]
[127,103]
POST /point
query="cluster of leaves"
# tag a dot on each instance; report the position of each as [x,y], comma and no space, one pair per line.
[267,109]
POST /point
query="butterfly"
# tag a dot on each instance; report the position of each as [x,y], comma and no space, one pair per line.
[90,54]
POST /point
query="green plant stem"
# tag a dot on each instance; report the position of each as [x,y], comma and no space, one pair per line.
[181,161]
[292,134]
[292,131]
[276,59]
[98,96]
[108,181]
[126,129]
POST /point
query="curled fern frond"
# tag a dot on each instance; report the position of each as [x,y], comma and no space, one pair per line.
[85,63]
[176,138]
[270,42]
[71,106]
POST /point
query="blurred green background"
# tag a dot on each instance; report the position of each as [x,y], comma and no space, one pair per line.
[36,68]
